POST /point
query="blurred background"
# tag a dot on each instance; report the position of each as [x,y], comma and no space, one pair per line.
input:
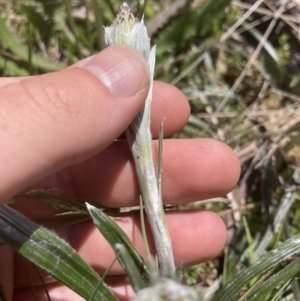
[237,62]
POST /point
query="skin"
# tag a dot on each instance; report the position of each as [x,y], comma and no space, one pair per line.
[59,130]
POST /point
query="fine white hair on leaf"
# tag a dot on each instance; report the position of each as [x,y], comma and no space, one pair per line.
[127,30]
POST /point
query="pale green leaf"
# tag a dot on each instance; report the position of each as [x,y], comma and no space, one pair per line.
[135,267]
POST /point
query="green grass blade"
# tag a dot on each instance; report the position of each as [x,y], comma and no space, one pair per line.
[296,289]
[48,251]
[98,12]
[281,291]
[265,263]
[132,269]
[10,68]
[209,11]
[73,27]
[8,41]
[36,19]
[116,236]
[285,275]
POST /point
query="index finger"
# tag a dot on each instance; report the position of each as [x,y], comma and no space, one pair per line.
[168,104]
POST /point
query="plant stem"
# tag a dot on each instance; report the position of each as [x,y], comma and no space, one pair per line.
[140,141]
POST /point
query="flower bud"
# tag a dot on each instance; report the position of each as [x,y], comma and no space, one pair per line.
[126,30]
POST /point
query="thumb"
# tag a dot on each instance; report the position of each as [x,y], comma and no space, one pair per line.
[51,121]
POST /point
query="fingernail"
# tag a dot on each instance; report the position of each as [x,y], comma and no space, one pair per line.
[122,70]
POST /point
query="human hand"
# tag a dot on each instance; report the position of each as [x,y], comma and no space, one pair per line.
[58,130]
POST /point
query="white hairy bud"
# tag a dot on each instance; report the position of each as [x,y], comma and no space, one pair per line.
[127,30]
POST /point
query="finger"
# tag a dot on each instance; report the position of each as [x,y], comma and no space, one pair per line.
[168,104]
[58,292]
[196,236]
[171,106]
[64,117]
[193,170]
